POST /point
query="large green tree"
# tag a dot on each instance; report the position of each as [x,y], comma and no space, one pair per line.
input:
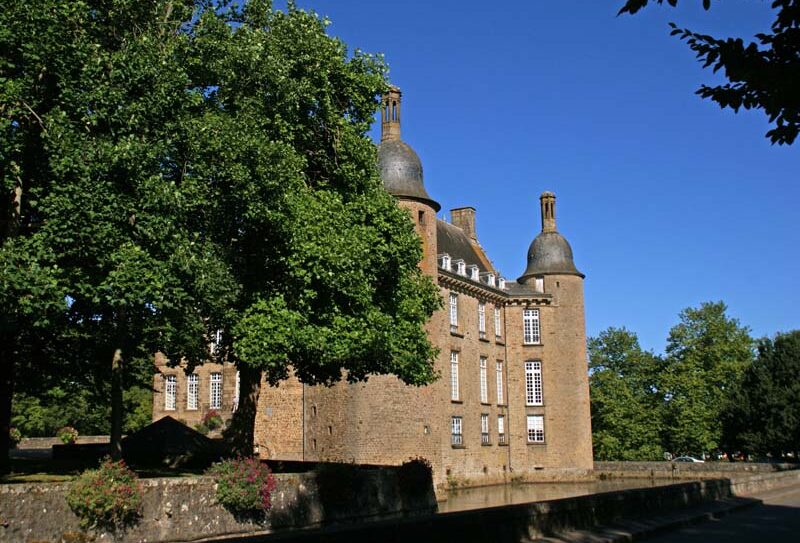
[762,74]
[176,168]
[707,354]
[764,411]
[324,261]
[627,403]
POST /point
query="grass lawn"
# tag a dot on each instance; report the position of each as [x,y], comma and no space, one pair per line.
[58,471]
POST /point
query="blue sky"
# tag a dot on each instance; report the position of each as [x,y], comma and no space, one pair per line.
[667,200]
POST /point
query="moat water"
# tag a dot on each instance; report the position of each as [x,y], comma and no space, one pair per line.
[498,495]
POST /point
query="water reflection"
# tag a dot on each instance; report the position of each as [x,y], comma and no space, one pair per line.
[496,495]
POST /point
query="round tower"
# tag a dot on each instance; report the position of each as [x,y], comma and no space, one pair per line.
[401,172]
[551,270]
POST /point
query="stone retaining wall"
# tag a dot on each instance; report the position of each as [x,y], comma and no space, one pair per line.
[686,470]
[184,509]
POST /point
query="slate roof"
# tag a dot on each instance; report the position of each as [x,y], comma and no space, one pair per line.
[453,241]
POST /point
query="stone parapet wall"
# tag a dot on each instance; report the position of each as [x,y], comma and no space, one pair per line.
[184,509]
[687,470]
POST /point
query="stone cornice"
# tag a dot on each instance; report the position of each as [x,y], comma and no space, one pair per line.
[465,285]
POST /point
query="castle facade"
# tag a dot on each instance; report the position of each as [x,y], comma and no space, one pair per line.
[512,402]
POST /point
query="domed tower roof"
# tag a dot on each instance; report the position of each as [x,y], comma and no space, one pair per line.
[399,165]
[550,253]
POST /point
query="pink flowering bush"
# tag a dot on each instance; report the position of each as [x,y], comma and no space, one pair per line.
[244,485]
[108,497]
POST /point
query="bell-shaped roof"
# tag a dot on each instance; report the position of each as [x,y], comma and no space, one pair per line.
[399,165]
[549,253]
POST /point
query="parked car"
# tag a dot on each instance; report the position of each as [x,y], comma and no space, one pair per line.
[688,459]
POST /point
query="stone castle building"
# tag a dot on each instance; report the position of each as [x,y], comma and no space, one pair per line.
[513,397]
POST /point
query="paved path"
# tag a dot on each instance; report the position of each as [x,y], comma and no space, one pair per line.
[776,521]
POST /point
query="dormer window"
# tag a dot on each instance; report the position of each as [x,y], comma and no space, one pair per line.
[461,267]
[489,278]
[538,284]
[445,262]
[473,272]
[502,283]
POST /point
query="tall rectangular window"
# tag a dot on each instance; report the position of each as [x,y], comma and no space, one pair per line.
[499,381]
[501,429]
[483,381]
[498,330]
[454,393]
[170,392]
[215,397]
[457,437]
[236,392]
[535,429]
[484,429]
[533,383]
[192,389]
[530,327]
[482,320]
[453,312]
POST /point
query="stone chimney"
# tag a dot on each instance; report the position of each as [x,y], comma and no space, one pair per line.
[464,218]
[548,204]
[390,115]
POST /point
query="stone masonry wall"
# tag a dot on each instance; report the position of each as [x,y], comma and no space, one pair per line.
[184,509]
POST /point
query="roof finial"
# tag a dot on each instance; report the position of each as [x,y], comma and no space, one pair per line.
[548,204]
[390,115]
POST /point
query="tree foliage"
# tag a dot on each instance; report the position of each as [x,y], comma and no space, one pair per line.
[626,402]
[764,74]
[175,168]
[764,417]
[644,405]
[707,354]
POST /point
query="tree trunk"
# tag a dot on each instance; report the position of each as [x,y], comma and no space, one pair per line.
[117,366]
[240,435]
[6,393]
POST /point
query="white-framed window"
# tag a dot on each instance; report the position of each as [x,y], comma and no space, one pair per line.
[170,392]
[490,279]
[474,273]
[501,283]
[501,429]
[484,429]
[457,436]
[538,283]
[454,392]
[482,320]
[461,267]
[216,342]
[535,429]
[236,391]
[530,327]
[533,383]
[483,381]
[498,327]
[453,312]
[215,391]
[192,390]
[499,380]
[446,262]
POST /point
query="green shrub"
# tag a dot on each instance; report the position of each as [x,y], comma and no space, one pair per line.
[244,485]
[212,420]
[108,497]
[202,428]
[14,436]
[68,435]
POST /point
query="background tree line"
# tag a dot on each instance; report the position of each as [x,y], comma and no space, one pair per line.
[714,390]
